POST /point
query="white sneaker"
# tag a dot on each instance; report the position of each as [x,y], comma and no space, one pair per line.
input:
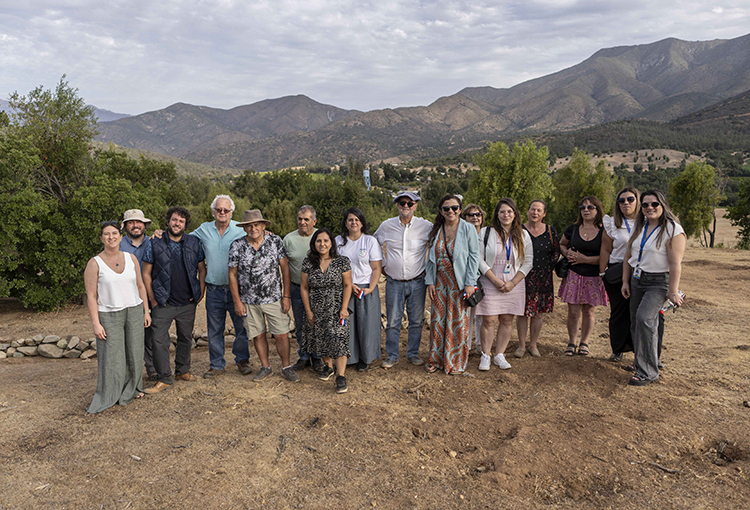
[500,361]
[484,363]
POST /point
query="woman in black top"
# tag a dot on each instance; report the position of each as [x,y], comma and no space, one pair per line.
[582,288]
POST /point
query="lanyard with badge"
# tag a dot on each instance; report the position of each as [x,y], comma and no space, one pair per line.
[644,240]
[507,257]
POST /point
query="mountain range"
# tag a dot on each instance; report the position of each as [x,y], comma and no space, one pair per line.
[100,114]
[658,81]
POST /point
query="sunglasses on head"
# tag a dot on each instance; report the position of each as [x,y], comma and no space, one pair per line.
[474,214]
[453,208]
[589,207]
[653,205]
[406,203]
[629,199]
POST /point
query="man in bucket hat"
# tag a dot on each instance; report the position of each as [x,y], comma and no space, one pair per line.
[256,285]
[135,224]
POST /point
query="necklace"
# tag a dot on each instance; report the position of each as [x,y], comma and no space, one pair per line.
[588,235]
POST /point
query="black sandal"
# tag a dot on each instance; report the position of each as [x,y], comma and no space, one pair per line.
[629,368]
[570,350]
[637,381]
[583,349]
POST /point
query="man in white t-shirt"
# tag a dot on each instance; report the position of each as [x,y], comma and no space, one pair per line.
[405,238]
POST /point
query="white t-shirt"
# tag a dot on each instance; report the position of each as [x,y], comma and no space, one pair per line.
[653,260]
[360,253]
[619,237]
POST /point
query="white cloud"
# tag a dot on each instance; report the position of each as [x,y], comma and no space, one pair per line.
[134,56]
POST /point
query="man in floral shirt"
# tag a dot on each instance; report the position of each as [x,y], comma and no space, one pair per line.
[256,286]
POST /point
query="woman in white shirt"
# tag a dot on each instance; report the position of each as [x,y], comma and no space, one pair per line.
[117,303]
[366,257]
[654,253]
[504,262]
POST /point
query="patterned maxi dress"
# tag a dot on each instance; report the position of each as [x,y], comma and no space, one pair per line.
[327,337]
[449,323]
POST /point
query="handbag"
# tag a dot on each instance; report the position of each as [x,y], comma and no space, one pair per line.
[561,267]
[613,274]
[478,295]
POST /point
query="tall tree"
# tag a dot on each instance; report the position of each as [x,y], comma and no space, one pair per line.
[694,195]
[520,173]
[739,215]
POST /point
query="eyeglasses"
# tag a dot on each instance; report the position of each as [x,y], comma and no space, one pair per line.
[629,199]
[589,207]
[474,214]
[453,208]
[405,203]
[223,211]
[653,205]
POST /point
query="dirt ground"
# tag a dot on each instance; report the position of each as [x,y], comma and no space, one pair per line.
[553,432]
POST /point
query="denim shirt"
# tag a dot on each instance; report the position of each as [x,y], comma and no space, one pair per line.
[126,245]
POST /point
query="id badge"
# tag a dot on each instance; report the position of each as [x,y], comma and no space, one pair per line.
[507,268]
[637,273]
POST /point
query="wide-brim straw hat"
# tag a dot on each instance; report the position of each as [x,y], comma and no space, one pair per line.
[134,215]
[252,216]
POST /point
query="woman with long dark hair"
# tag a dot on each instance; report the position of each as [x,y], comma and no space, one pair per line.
[654,254]
[326,286]
[450,275]
[582,288]
[365,255]
[504,262]
[540,291]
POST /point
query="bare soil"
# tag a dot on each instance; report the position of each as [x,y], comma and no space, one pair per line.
[553,432]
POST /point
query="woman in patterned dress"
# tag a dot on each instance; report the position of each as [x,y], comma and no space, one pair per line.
[540,292]
[450,275]
[582,288]
[326,286]
[505,262]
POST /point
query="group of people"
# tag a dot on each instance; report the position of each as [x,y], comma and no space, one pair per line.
[479,272]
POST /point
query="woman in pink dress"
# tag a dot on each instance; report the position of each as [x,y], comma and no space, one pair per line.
[506,257]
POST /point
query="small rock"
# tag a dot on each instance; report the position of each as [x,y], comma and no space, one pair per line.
[28,350]
[51,339]
[92,345]
[73,353]
[50,351]
[18,343]
[38,339]
[629,447]
[18,355]
[229,339]
[201,343]
[62,343]
[82,346]
[10,351]
[91,340]
[28,341]
[90,353]
[3,355]
[74,340]
[746,403]
[452,454]
[197,333]
[173,338]
[4,346]
[172,348]
[135,458]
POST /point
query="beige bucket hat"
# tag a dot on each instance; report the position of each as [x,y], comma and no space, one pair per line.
[252,216]
[134,214]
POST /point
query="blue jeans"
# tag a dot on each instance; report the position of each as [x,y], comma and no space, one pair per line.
[396,294]
[647,296]
[218,303]
[298,310]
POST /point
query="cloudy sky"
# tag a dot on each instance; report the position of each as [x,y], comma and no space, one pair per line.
[133,56]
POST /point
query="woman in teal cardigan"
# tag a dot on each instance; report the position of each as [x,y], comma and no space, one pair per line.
[452,270]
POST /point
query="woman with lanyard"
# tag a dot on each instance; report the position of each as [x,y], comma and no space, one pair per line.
[504,262]
[617,230]
[450,275]
[582,288]
[654,253]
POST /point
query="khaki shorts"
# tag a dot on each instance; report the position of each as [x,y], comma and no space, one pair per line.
[255,321]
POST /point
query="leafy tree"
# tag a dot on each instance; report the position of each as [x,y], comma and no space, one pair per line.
[576,180]
[739,215]
[521,173]
[694,195]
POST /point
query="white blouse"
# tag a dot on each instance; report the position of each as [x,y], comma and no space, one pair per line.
[653,260]
[117,291]
[619,236]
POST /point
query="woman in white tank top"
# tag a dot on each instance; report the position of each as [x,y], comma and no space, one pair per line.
[118,306]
